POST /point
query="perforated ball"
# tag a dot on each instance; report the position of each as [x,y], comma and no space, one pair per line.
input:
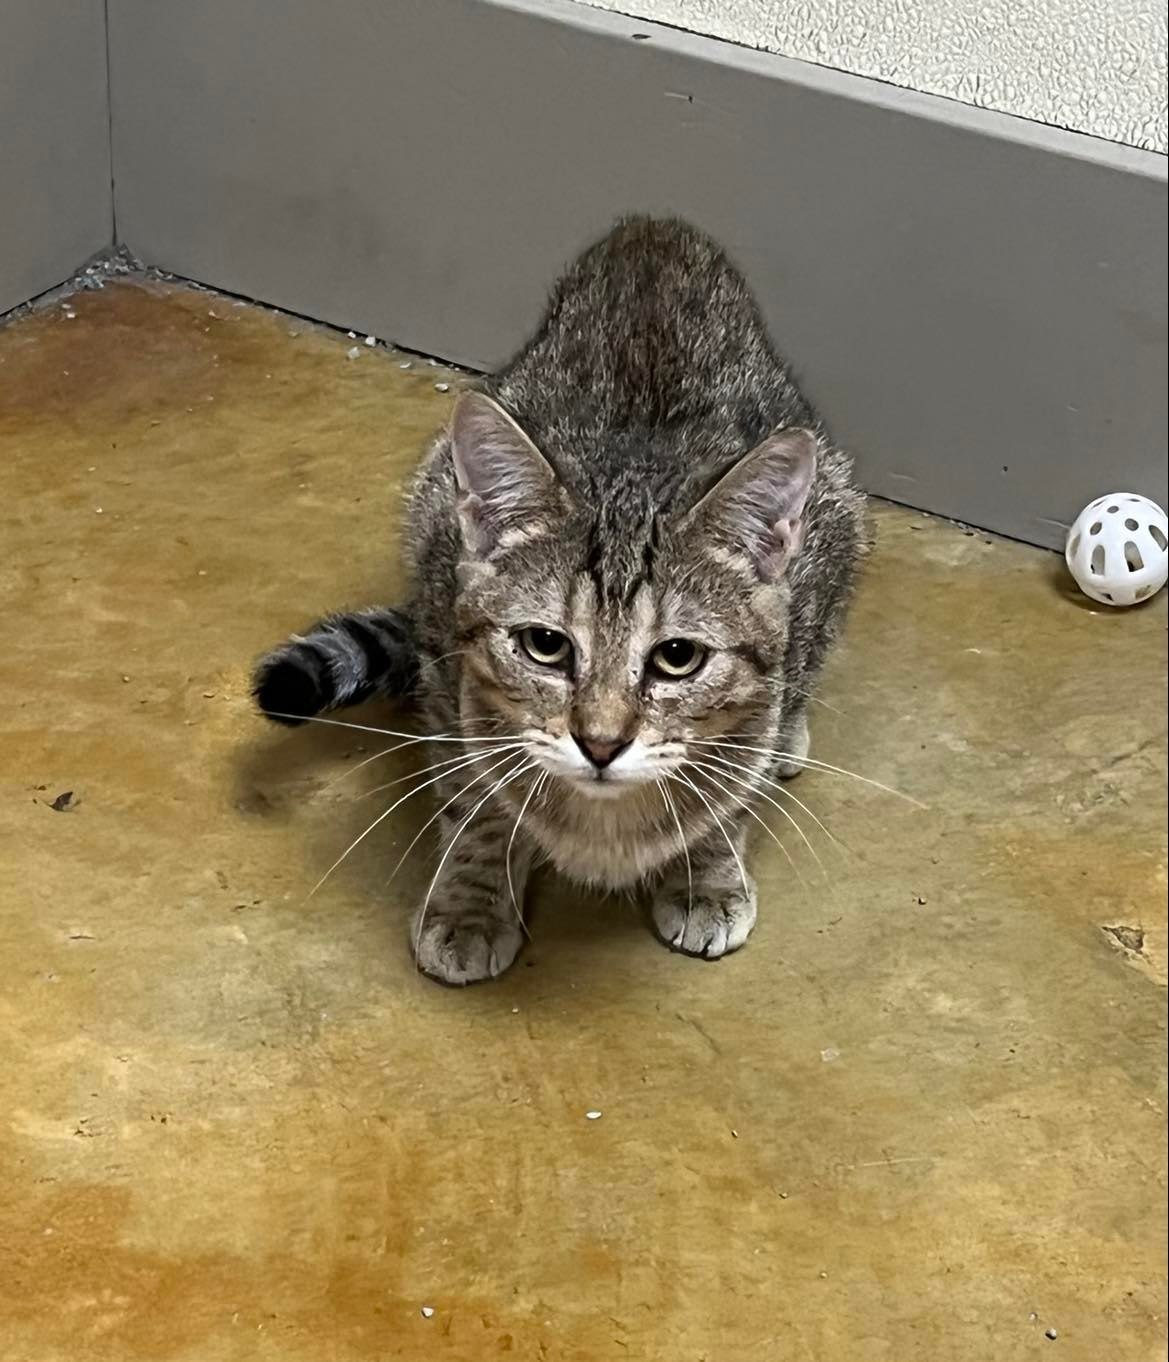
[1116,549]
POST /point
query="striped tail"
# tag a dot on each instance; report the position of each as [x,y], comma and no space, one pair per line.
[340,661]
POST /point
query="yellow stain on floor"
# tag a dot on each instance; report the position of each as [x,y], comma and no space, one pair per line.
[920,1116]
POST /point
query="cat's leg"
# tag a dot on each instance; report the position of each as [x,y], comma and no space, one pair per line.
[469,928]
[795,741]
[709,908]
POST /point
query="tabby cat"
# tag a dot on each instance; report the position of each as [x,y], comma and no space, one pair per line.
[631,550]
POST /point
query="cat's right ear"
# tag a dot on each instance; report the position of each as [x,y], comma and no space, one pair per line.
[756,510]
[504,483]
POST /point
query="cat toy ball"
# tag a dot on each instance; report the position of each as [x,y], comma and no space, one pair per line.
[1116,549]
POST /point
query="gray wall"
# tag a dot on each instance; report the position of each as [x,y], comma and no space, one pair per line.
[976,302]
[56,207]
[1095,66]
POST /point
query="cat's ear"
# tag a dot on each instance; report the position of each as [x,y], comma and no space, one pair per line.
[504,482]
[756,509]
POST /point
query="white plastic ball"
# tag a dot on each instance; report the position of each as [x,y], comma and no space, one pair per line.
[1117,549]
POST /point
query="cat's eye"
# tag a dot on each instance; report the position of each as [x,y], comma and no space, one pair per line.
[548,647]
[677,658]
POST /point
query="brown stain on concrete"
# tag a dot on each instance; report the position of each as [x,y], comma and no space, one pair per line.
[923,1106]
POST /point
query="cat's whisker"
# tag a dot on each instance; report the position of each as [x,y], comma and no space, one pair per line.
[813,699]
[458,794]
[816,700]
[685,779]
[811,763]
[434,661]
[453,762]
[477,719]
[539,780]
[365,761]
[783,790]
[742,803]
[369,728]
[386,813]
[507,777]
[397,747]
[385,752]
[673,808]
[747,808]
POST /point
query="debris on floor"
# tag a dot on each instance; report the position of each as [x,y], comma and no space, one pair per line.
[322,1094]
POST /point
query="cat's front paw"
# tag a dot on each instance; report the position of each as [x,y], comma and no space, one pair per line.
[464,948]
[709,923]
[795,742]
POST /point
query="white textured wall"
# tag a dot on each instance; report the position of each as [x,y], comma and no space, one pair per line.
[1096,66]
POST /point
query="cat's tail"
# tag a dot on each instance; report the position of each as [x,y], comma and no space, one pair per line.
[342,660]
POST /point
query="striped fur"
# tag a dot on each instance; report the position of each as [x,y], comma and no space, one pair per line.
[645,470]
[342,660]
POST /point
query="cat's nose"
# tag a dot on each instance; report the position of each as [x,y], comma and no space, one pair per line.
[600,751]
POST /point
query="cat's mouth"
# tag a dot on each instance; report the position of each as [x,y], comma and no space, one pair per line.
[631,770]
[602,785]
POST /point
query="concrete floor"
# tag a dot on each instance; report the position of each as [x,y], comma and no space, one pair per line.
[921,1116]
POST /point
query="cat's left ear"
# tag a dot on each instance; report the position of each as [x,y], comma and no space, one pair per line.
[504,482]
[757,508]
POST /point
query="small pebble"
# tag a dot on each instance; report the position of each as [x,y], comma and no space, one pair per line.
[1053,1334]
[734,1134]
[783,1196]
[592,1115]
[427,1311]
[824,1275]
[442,387]
[921,899]
[351,334]
[97,509]
[405,364]
[829,1054]
[208,695]
[514,1011]
[371,340]
[352,352]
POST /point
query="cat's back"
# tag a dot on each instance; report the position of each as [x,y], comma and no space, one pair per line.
[652,325]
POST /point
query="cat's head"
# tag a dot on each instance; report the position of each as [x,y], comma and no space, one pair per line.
[612,636]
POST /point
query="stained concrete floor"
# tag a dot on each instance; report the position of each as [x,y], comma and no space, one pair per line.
[921,1116]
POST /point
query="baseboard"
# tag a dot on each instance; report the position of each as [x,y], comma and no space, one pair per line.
[977,303]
